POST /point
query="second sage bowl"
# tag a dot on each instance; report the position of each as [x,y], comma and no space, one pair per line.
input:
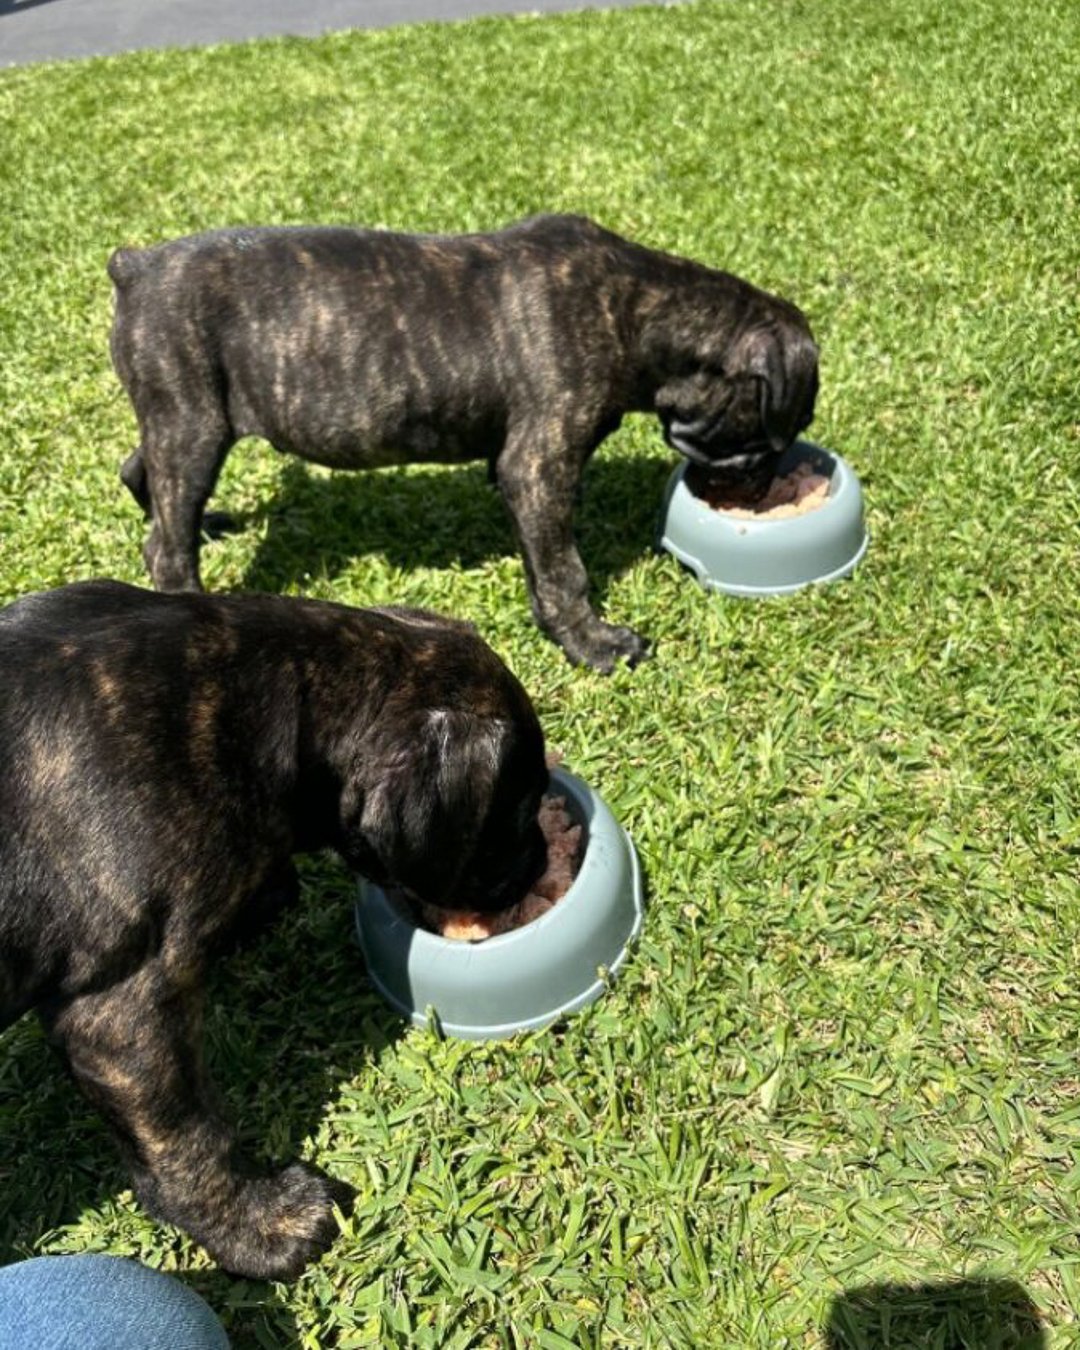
[752,557]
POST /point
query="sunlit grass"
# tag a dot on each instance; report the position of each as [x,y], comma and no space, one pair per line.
[845,1052]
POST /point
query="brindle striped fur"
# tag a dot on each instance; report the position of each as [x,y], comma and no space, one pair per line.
[162,758]
[357,348]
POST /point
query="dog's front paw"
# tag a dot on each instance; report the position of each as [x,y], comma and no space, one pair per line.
[277,1225]
[602,645]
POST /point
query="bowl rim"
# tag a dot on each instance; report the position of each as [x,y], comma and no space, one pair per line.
[842,481]
[691,530]
[430,947]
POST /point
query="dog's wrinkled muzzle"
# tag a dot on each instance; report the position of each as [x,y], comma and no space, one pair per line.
[752,466]
[697,440]
[688,438]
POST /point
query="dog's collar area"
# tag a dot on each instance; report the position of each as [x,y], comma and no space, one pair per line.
[740,461]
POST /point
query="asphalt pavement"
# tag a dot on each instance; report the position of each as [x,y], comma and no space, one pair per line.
[47,30]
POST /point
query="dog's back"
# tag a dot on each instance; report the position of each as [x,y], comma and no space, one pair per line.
[96,692]
[354,348]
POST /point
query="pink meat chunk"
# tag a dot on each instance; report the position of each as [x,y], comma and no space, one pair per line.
[794,494]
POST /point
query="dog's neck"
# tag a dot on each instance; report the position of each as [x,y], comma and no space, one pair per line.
[685,317]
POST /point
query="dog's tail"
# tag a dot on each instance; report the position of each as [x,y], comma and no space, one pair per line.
[125,265]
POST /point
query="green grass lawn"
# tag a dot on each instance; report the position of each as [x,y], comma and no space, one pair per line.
[844,1056]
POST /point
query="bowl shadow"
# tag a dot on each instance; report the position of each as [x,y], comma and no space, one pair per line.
[977,1314]
[271,1020]
[442,516]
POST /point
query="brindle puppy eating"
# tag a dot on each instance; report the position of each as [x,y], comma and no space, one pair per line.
[358,348]
[161,760]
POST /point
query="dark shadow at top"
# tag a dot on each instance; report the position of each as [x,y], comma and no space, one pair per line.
[986,1314]
[16,6]
[435,517]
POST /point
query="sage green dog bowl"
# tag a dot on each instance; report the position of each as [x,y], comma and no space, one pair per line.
[769,557]
[524,979]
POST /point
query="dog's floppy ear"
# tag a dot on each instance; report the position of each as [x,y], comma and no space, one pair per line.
[423,813]
[784,358]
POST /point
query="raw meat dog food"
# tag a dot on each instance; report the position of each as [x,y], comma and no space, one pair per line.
[564,859]
[796,493]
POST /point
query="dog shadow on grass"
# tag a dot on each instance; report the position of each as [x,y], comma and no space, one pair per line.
[435,516]
[290,1016]
[987,1314]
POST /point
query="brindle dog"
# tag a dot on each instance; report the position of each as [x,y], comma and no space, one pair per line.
[161,760]
[358,348]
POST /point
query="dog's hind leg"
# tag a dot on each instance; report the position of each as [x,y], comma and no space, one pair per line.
[135,1051]
[133,477]
[180,466]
